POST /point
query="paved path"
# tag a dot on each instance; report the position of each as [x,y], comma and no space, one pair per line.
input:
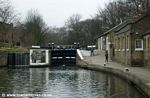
[141,72]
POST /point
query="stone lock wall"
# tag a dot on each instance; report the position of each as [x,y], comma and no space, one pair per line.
[3,58]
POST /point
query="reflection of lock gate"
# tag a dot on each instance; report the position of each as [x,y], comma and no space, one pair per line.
[63,56]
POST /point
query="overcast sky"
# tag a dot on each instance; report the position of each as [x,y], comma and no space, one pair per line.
[56,12]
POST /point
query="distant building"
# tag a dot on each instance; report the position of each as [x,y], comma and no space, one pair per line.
[9,34]
[128,42]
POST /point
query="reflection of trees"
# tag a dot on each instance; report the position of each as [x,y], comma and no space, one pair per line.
[35,29]
[107,86]
[117,88]
[57,81]
[62,80]
[23,81]
[18,80]
[91,84]
[5,85]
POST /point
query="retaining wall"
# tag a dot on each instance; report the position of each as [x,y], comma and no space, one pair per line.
[3,58]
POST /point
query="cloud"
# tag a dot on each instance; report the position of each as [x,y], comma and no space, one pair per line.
[55,12]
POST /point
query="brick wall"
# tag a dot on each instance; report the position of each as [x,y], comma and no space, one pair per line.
[122,46]
[138,29]
[147,50]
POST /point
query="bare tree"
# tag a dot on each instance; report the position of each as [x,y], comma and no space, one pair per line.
[7,18]
[83,32]
[35,29]
[57,35]
[138,7]
[72,25]
[120,10]
[73,20]
[7,13]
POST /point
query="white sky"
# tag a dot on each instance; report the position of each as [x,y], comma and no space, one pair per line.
[56,12]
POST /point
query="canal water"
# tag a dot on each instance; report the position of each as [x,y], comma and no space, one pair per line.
[63,82]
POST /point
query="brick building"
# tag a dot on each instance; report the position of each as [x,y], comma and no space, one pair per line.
[129,42]
[146,36]
[9,34]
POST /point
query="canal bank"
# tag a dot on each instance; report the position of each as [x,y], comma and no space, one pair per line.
[3,59]
[4,54]
[137,76]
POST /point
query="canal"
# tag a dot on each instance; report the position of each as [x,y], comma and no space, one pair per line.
[64,82]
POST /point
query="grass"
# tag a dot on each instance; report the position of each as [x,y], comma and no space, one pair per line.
[13,49]
[2,44]
[8,48]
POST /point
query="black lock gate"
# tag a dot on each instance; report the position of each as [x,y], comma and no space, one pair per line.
[63,56]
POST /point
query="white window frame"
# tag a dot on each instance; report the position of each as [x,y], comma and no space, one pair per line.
[141,48]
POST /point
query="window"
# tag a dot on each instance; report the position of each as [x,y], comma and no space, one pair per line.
[138,44]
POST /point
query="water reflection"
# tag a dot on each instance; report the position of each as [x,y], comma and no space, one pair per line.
[64,82]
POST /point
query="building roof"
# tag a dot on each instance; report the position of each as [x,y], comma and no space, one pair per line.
[110,30]
[131,21]
[146,33]
[123,24]
[6,24]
